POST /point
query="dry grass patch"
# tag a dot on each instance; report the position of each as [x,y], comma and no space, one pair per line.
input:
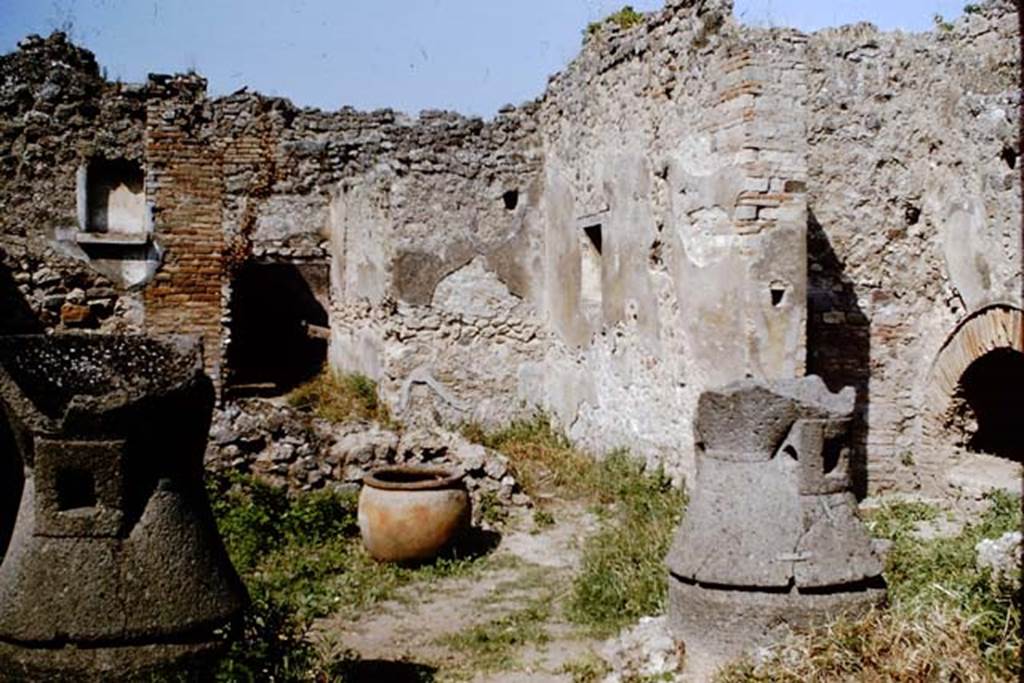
[340,397]
[947,619]
[929,645]
[494,645]
[542,459]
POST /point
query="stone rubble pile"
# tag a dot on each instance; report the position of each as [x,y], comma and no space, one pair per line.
[646,652]
[56,293]
[286,447]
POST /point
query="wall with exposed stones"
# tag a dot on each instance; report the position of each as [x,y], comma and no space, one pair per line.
[915,199]
[691,201]
[56,111]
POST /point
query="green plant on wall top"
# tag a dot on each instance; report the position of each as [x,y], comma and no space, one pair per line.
[941,24]
[625,18]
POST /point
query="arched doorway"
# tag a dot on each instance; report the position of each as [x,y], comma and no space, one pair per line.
[989,399]
[972,400]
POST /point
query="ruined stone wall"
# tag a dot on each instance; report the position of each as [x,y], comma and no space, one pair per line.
[395,205]
[431,278]
[915,216]
[682,139]
[690,202]
[56,112]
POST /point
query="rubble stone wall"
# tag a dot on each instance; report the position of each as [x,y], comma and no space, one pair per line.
[57,111]
[691,202]
[916,216]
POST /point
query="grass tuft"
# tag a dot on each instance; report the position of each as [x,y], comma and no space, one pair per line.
[926,645]
[625,18]
[622,577]
[541,458]
[587,669]
[623,574]
[340,397]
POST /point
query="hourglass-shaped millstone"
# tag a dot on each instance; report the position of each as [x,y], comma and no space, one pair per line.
[771,536]
[113,568]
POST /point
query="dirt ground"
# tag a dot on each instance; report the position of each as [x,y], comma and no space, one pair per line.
[403,639]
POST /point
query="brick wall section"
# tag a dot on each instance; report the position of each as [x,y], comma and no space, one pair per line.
[759,119]
[184,184]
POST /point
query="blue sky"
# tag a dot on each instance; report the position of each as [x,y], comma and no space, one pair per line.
[472,56]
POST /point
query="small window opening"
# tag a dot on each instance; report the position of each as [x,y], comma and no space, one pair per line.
[511,199]
[911,215]
[590,269]
[76,489]
[778,293]
[593,233]
[790,451]
[1009,155]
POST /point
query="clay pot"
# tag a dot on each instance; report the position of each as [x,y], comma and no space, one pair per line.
[410,513]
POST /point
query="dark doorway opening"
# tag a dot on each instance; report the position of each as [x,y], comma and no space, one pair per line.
[278,327]
[992,388]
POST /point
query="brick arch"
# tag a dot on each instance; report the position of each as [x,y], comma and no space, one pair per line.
[1000,326]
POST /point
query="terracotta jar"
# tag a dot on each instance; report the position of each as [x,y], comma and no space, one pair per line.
[410,513]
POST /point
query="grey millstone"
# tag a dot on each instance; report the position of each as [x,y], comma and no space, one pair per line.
[114,570]
[771,536]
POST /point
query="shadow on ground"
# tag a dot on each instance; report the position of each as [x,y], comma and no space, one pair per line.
[474,544]
[379,670]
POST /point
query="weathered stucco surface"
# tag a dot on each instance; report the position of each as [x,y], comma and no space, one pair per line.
[691,202]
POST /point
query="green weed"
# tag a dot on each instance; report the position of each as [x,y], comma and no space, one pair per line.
[587,669]
[625,18]
[941,24]
[301,558]
[623,575]
[544,461]
[542,519]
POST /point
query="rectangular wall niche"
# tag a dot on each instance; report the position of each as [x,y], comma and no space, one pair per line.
[112,198]
[590,271]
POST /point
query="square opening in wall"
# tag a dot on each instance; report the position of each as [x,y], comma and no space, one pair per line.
[76,489]
[114,197]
